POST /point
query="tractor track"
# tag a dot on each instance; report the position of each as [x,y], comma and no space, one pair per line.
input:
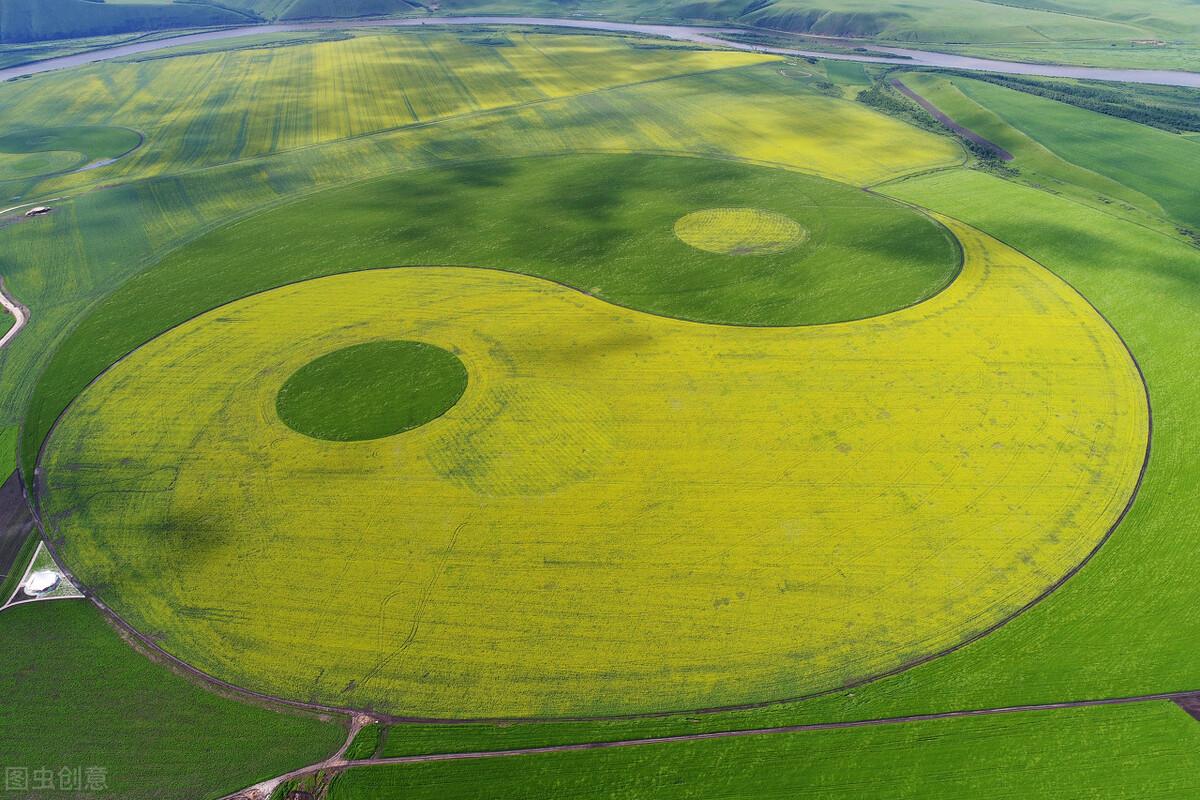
[19,312]
[1188,701]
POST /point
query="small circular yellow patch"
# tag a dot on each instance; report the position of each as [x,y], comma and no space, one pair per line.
[739,231]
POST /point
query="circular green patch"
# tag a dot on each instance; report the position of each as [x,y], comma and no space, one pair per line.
[371,390]
[739,231]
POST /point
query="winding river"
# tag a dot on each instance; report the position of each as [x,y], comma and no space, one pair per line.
[686,33]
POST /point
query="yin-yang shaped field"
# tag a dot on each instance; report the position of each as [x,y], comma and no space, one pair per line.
[510,444]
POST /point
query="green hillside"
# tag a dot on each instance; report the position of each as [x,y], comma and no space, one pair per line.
[944,23]
[40,20]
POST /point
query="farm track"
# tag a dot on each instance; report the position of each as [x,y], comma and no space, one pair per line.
[19,312]
[683,33]
[1188,701]
[945,119]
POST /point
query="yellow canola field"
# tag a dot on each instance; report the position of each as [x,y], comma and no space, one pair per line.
[623,513]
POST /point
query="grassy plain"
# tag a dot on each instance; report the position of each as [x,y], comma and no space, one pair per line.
[7,449]
[24,21]
[533,551]
[1139,751]
[77,696]
[8,584]
[616,238]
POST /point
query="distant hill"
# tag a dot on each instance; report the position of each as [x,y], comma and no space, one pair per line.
[39,20]
[307,9]
[915,21]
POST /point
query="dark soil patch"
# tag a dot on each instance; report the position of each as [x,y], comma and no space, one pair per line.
[962,131]
[16,522]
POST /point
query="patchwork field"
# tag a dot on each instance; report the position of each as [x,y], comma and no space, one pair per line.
[587,389]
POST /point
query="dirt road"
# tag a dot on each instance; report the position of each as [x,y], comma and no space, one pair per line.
[20,312]
[941,117]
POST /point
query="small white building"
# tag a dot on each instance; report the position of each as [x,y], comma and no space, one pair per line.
[37,211]
[40,582]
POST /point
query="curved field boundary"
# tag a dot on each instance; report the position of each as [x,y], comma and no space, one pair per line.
[87,164]
[20,312]
[152,647]
[943,118]
[104,162]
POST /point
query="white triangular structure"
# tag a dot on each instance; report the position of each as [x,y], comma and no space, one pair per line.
[43,580]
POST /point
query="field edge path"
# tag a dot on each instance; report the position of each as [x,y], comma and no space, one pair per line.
[1188,701]
[18,311]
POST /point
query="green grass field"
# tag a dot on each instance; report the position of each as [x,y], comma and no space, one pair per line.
[366,743]
[14,166]
[79,696]
[24,555]
[1139,751]
[24,21]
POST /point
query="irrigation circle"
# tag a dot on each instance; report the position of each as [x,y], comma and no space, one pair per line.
[739,231]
